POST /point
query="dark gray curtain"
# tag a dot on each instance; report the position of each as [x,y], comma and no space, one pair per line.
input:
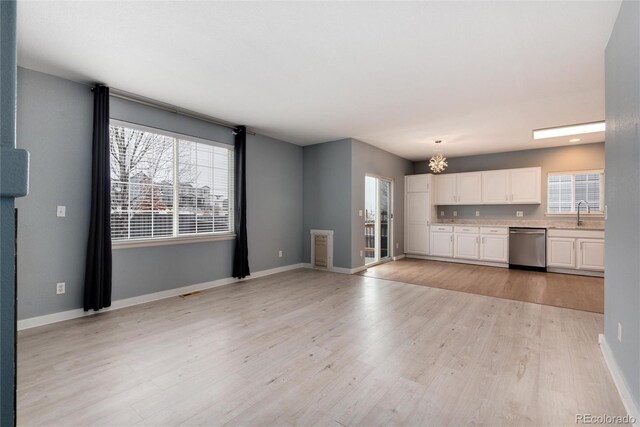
[241,254]
[97,280]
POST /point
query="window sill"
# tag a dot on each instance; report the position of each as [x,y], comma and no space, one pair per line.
[126,244]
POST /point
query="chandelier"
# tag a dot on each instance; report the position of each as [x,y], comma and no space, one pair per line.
[438,163]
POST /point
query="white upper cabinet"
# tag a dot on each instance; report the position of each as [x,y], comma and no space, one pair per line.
[446,189]
[525,186]
[469,188]
[495,187]
[418,183]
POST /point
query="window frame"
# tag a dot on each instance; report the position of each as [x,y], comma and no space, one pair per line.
[176,237]
[598,213]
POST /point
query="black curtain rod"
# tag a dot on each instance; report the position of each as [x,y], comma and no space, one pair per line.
[117,93]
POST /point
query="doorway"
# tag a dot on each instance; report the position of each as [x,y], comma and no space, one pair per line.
[378,219]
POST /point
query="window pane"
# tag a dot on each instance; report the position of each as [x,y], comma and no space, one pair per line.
[559,193]
[141,183]
[588,189]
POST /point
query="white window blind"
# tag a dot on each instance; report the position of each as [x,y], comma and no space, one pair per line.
[167,185]
[566,189]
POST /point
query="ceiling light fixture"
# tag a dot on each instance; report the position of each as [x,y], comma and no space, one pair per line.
[438,163]
[569,130]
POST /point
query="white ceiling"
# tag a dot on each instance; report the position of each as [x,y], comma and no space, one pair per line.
[478,75]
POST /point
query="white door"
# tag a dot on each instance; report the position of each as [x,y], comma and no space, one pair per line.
[442,244]
[525,186]
[417,183]
[495,187]
[590,254]
[417,226]
[446,189]
[494,248]
[469,188]
[466,246]
[561,252]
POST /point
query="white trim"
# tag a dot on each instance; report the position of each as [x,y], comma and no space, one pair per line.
[460,261]
[632,407]
[33,322]
[340,270]
[199,238]
[399,257]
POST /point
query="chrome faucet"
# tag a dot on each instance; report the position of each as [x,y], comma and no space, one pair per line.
[578,222]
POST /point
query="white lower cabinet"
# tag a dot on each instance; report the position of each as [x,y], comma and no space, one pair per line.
[560,252]
[590,254]
[417,239]
[442,244]
[466,243]
[494,248]
[576,250]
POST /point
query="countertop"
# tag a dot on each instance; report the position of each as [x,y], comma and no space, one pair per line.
[554,224]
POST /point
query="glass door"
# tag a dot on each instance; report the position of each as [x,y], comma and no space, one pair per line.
[378,220]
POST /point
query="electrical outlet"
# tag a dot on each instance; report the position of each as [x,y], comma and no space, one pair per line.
[441,213]
[397,245]
[61,211]
[477,213]
[519,213]
[619,331]
[280,254]
[455,213]
[60,288]
[361,253]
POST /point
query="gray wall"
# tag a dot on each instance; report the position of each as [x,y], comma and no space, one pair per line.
[622,247]
[557,159]
[54,123]
[374,161]
[327,197]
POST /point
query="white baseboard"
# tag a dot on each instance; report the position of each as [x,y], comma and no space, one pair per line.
[340,270]
[575,272]
[632,407]
[33,322]
[396,258]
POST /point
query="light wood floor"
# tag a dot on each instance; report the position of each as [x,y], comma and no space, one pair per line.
[559,290]
[316,348]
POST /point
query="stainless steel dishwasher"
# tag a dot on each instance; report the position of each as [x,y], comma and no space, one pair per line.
[528,248]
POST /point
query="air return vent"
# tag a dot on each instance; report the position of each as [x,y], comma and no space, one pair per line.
[322,249]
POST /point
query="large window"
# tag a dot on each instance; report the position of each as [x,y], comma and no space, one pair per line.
[165,185]
[566,189]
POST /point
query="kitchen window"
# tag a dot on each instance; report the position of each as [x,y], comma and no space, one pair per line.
[566,189]
[167,187]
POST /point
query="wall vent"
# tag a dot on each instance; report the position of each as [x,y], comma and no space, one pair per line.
[322,249]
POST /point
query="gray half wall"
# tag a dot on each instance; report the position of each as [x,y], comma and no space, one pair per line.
[557,159]
[55,125]
[622,246]
[374,161]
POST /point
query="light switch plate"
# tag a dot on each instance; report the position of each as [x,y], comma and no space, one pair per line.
[455,213]
[519,213]
[61,211]
[477,213]
[360,213]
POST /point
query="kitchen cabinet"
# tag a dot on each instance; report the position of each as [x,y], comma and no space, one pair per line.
[575,249]
[446,189]
[442,241]
[418,210]
[469,188]
[496,187]
[560,252]
[590,254]
[417,223]
[466,246]
[494,244]
[525,186]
